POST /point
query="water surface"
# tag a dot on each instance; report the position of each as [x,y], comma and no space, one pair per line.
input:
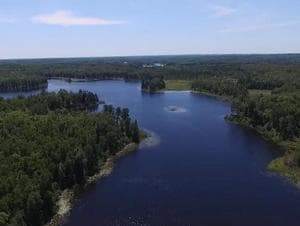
[203,170]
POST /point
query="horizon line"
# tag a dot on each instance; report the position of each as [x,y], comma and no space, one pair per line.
[148,55]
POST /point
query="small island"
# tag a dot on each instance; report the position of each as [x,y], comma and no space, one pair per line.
[151,84]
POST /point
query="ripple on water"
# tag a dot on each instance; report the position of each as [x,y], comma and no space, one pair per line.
[175,109]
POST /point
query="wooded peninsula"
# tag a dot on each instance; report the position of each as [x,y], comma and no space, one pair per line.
[51,142]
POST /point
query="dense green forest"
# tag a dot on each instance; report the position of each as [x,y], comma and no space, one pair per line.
[254,71]
[275,114]
[152,83]
[221,87]
[51,142]
[21,82]
[45,102]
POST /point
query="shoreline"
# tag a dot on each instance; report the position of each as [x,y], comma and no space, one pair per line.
[281,165]
[218,97]
[44,86]
[278,165]
[68,197]
[70,79]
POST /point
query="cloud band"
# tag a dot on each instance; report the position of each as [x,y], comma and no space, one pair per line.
[67,19]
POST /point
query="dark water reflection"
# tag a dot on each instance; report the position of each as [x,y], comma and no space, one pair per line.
[204,171]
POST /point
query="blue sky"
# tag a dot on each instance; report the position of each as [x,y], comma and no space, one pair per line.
[78,28]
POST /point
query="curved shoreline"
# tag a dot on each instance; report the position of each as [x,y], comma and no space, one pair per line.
[69,196]
[285,149]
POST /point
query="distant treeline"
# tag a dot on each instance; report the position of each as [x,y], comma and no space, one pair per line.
[254,71]
[45,102]
[50,142]
[20,82]
[221,87]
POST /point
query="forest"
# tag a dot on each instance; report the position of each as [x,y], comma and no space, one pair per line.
[264,89]
[275,114]
[221,87]
[46,101]
[152,83]
[254,71]
[21,82]
[51,142]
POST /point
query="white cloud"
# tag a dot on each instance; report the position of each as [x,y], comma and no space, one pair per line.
[222,11]
[252,28]
[67,18]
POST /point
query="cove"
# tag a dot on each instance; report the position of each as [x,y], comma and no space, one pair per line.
[202,171]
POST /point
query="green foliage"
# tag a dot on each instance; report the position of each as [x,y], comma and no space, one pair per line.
[48,143]
[20,82]
[252,71]
[152,83]
[279,113]
[3,219]
[18,77]
[135,132]
[45,102]
[45,151]
[221,87]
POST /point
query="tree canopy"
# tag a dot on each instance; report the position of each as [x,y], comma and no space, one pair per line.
[254,71]
[50,142]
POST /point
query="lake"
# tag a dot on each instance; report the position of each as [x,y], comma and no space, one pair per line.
[201,170]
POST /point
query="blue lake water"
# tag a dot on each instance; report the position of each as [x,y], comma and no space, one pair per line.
[202,171]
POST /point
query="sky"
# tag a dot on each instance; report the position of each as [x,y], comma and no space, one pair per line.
[89,28]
